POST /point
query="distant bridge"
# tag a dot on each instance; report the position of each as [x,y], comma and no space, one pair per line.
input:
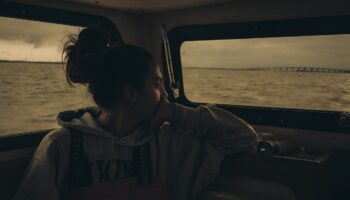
[299,69]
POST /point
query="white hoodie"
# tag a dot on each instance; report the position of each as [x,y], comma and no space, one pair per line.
[186,153]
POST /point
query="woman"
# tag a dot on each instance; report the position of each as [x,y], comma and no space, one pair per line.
[134,133]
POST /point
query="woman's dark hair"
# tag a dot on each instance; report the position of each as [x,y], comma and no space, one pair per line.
[92,60]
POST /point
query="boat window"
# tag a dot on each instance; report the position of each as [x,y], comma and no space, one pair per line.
[32,80]
[302,72]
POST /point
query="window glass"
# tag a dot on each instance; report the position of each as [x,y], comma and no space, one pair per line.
[303,72]
[32,79]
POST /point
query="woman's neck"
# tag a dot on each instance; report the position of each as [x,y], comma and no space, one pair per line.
[119,122]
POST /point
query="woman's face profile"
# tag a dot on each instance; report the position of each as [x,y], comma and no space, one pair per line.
[149,96]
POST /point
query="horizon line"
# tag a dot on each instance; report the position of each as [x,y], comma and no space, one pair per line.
[30,61]
[256,68]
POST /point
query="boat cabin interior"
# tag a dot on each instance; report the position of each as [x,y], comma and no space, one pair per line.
[278,64]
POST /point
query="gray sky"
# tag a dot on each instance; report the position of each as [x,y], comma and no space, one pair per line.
[39,41]
[306,51]
[32,40]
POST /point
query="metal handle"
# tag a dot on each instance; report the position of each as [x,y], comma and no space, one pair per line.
[174,86]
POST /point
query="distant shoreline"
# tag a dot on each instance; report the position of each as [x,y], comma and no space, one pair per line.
[281,69]
[34,62]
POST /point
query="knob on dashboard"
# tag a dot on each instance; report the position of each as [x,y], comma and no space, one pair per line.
[278,147]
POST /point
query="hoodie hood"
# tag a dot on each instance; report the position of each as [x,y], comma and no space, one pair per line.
[84,120]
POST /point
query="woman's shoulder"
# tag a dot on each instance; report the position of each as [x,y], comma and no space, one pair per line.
[58,134]
[55,144]
[58,138]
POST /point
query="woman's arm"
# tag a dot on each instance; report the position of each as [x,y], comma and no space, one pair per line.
[222,128]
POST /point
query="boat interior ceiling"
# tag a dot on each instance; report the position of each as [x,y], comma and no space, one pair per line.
[322,172]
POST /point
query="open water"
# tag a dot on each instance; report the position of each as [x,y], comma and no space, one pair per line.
[301,90]
[32,94]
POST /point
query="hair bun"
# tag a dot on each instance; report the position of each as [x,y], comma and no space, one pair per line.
[84,53]
[92,41]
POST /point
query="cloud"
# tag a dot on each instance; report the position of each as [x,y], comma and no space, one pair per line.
[33,32]
[32,40]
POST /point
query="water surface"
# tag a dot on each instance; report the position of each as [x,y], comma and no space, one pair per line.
[31,94]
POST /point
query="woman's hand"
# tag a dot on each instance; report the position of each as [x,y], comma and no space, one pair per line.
[164,111]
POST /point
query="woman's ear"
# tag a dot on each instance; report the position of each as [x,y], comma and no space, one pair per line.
[130,94]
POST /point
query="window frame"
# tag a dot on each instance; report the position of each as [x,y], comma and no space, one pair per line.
[317,120]
[43,14]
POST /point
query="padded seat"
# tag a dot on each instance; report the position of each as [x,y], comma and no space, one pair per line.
[12,166]
[10,176]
